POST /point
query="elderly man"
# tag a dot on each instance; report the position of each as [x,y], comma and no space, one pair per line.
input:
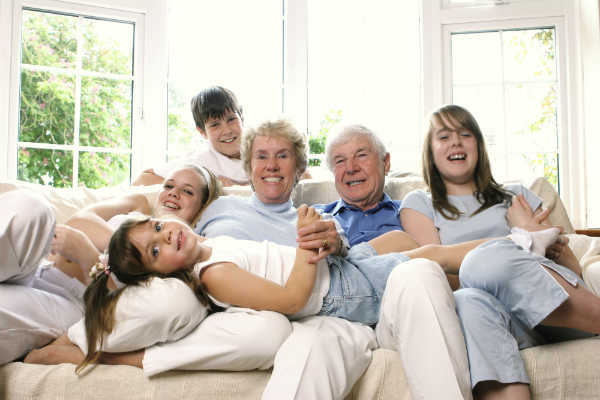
[360,163]
[417,316]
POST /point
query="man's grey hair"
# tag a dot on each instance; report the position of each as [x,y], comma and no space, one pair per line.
[348,132]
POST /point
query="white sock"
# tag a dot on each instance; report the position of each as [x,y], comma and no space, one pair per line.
[537,241]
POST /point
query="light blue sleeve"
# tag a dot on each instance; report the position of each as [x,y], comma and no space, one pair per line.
[532,199]
[420,201]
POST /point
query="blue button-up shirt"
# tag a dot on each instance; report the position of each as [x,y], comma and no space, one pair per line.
[361,226]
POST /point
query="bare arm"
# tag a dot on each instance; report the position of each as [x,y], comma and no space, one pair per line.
[92,220]
[231,284]
[62,350]
[147,178]
[449,257]
[419,226]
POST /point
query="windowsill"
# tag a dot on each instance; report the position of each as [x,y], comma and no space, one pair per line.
[594,232]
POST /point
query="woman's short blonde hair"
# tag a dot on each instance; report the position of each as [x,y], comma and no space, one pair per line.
[278,128]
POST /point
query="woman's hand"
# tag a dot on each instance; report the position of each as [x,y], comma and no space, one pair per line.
[319,236]
[74,245]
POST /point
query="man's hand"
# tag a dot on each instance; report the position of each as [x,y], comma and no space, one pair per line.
[318,235]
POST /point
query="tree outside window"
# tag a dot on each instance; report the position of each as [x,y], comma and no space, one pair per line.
[75,100]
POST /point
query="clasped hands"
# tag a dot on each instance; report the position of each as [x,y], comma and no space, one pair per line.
[316,234]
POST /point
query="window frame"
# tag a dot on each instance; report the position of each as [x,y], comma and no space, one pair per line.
[148,124]
[441,21]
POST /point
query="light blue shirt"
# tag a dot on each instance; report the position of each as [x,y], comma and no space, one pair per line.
[250,219]
[486,224]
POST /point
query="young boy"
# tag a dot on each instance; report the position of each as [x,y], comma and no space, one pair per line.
[219,119]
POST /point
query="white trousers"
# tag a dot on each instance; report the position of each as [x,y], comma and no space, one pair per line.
[26,228]
[419,320]
[37,302]
[320,358]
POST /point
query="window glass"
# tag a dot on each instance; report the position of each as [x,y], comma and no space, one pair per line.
[508,80]
[364,67]
[237,44]
[75,100]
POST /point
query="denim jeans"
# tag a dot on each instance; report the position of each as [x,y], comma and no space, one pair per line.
[357,283]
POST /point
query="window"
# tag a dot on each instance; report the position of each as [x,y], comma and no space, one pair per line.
[75,98]
[509,80]
[364,66]
[237,44]
[319,62]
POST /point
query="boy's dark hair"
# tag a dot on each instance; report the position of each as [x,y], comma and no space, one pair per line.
[214,102]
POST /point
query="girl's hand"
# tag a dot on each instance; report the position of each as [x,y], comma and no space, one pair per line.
[67,242]
[563,255]
[58,352]
[74,245]
[317,235]
[306,216]
[521,215]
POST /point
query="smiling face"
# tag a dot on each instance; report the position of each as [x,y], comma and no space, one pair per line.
[359,172]
[166,245]
[224,134]
[182,194]
[273,169]
[455,154]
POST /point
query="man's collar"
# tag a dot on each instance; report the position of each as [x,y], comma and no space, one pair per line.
[341,204]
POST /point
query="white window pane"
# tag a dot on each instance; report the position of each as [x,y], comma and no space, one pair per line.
[237,44]
[47,107]
[48,167]
[532,111]
[363,66]
[49,39]
[114,53]
[518,114]
[476,58]
[105,123]
[529,55]
[108,169]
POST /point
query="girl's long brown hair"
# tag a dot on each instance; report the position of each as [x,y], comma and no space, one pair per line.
[488,192]
[126,264]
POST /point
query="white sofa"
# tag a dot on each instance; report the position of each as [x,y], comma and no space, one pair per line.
[567,370]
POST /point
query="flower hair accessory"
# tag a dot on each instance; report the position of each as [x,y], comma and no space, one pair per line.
[100,267]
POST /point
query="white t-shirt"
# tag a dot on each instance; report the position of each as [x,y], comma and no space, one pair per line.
[208,157]
[268,260]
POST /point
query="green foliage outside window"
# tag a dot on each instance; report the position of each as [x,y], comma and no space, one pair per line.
[317,141]
[47,103]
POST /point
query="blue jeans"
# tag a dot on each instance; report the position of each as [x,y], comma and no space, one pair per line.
[506,295]
[357,283]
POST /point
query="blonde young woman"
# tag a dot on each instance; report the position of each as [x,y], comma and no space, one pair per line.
[41,297]
[511,298]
